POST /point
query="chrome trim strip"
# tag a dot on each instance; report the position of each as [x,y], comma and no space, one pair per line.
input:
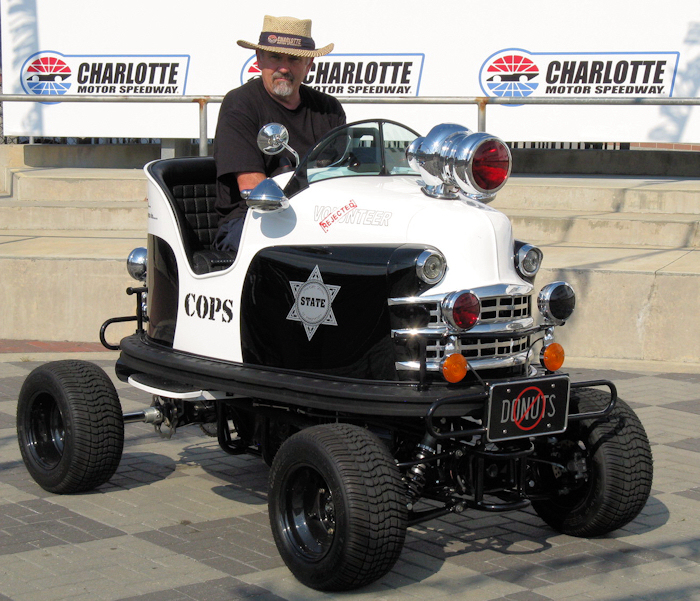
[482,292]
[516,326]
[476,364]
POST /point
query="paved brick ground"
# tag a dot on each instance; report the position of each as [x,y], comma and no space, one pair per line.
[183,521]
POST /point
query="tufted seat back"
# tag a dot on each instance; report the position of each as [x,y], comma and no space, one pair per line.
[197,204]
[189,184]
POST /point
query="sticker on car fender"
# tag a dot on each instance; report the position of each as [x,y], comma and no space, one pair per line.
[521,409]
[336,214]
[350,214]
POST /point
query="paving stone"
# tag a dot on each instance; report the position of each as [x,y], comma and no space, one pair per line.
[525,596]
[688,444]
[521,578]
[693,493]
[686,406]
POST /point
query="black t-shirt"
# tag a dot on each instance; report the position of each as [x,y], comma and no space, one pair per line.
[243,112]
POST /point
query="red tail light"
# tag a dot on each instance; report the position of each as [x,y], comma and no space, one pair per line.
[491,164]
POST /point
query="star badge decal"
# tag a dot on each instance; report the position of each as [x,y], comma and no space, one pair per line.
[312,303]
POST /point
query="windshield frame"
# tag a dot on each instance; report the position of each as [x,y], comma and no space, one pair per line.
[300,180]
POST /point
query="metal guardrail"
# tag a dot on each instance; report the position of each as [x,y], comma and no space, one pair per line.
[480,102]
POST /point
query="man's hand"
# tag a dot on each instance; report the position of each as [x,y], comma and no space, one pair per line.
[248,180]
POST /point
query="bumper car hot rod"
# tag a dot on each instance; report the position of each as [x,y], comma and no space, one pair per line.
[378,340]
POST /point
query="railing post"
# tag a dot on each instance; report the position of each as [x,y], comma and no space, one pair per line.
[481,103]
[203,140]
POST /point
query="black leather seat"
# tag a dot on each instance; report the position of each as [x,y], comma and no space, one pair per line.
[189,184]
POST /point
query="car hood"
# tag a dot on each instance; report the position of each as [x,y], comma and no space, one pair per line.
[394,209]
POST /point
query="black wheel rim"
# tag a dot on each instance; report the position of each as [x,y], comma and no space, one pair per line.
[308,513]
[46,432]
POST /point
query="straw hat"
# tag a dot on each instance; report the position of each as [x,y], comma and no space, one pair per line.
[287,35]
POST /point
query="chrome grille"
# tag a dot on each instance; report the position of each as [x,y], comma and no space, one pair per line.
[479,348]
[494,309]
[498,309]
[489,344]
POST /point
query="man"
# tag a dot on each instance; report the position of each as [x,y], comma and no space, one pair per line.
[285,53]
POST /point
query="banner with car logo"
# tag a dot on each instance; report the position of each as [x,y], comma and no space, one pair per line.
[50,74]
[172,48]
[518,73]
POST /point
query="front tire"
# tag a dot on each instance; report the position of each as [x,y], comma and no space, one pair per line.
[618,472]
[337,507]
[70,426]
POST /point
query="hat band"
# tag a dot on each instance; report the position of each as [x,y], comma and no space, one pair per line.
[283,40]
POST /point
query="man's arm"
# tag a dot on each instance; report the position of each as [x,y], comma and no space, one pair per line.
[248,180]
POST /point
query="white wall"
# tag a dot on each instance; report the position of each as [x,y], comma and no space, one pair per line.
[441,49]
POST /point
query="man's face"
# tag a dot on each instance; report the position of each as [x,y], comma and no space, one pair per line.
[282,74]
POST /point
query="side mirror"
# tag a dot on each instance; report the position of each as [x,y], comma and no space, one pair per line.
[267,196]
[273,138]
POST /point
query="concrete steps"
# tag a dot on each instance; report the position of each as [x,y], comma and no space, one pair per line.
[625,229]
[78,185]
[602,194]
[65,233]
[62,285]
[71,198]
[630,247]
[632,304]
[47,215]
[659,213]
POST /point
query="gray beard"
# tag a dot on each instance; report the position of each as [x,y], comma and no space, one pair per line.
[282,87]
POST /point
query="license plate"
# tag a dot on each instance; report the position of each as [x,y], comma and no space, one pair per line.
[525,408]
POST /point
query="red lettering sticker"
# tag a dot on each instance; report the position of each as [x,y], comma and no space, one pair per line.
[336,215]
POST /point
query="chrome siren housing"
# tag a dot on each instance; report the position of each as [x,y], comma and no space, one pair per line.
[452,158]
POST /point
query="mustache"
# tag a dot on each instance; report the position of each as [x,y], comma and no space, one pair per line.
[286,76]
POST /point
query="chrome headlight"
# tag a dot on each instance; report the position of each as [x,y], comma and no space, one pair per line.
[528,259]
[556,301]
[431,266]
[136,263]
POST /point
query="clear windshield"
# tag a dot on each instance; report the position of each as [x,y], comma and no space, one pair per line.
[361,148]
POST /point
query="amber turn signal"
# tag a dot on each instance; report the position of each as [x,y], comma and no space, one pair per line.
[552,356]
[454,368]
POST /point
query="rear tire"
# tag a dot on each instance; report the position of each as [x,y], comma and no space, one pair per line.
[619,470]
[70,426]
[337,507]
